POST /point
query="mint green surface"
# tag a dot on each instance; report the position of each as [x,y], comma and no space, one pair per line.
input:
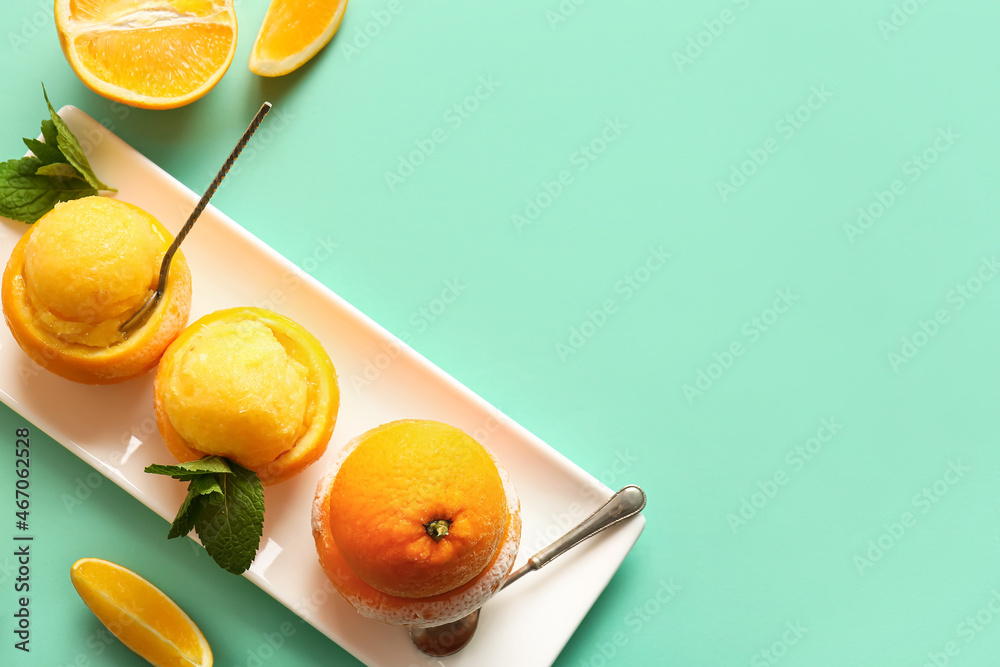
[808,397]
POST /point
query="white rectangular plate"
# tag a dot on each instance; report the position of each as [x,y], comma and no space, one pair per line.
[112,428]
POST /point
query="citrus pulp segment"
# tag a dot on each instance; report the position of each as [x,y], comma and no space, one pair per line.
[148,53]
[294,31]
[140,615]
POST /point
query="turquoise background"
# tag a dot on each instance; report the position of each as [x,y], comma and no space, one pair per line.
[786,539]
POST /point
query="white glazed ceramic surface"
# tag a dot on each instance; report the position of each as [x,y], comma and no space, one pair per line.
[112,428]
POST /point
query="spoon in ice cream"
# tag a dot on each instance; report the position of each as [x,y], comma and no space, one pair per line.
[140,315]
[442,640]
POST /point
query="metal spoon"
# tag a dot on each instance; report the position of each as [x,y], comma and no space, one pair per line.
[442,640]
[140,315]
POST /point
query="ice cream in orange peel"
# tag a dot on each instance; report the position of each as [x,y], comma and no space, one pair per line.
[81,271]
[250,385]
[416,523]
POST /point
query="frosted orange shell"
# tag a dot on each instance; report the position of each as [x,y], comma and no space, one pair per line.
[408,610]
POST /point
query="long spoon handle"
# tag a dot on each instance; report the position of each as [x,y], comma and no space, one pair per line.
[213,186]
[161,285]
[627,502]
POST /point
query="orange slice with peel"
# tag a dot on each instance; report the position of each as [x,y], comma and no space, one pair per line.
[140,614]
[294,31]
[155,54]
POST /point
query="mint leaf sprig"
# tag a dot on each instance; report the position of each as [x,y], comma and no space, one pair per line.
[58,171]
[224,505]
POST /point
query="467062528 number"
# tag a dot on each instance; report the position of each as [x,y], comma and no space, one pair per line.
[22,471]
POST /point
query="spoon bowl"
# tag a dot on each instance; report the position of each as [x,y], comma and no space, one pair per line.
[441,640]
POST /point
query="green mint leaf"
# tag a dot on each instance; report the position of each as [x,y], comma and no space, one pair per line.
[187,515]
[224,504]
[204,485]
[200,490]
[58,170]
[71,148]
[49,132]
[27,197]
[209,465]
[230,528]
[171,471]
[30,187]
[47,153]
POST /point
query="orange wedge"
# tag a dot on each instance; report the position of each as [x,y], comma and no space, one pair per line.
[155,54]
[293,32]
[140,615]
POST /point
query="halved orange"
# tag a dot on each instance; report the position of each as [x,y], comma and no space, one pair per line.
[251,385]
[294,31]
[79,272]
[155,54]
[140,614]
[416,523]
